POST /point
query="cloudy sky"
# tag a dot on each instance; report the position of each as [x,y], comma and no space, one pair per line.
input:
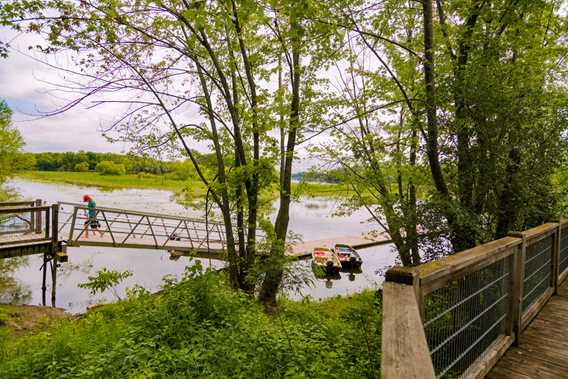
[31,85]
[28,86]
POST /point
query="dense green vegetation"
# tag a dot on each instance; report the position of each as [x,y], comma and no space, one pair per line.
[201,328]
[143,181]
[10,144]
[111,163]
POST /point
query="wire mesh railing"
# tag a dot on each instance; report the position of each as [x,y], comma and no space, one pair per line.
[473,305]
[563,259]
[463,318]
[538,270]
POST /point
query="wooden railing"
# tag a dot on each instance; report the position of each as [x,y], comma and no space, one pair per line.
[29,219]
[457,316]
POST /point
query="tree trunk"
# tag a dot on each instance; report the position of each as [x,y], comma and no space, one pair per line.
[273,278]
[225,204]
[429,80]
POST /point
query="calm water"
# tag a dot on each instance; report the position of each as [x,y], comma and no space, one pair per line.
[310,219]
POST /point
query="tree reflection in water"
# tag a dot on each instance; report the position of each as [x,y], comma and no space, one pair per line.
[11,290]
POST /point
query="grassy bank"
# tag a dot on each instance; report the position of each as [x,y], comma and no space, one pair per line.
[201,328]
[17,321]
[147,181]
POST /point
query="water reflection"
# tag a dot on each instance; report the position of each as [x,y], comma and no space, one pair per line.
[311,217]
[13,290]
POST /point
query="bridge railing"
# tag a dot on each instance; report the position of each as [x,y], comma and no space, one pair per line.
[127,228]
[26,224]
[27,221]
[457,316]
[21,217]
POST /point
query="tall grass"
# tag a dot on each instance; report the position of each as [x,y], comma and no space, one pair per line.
[201,328]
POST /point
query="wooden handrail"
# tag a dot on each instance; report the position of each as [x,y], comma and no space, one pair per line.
[22,210]
[405,351]
[17,203]
[406,289]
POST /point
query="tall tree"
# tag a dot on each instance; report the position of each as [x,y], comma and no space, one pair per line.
[216,59]
[10,142]
[477,117]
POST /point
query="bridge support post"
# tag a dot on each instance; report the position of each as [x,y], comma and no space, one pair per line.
[53,280]
[54,248]
[37,217]
[44,279]
[518,287]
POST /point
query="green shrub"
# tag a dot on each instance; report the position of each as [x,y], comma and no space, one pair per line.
[110,168]
[201,328]
[82,167]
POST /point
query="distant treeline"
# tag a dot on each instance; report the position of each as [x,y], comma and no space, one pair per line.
[109,163]
[328,176]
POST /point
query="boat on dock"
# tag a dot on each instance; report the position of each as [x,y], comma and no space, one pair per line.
[348,256]
[324,259]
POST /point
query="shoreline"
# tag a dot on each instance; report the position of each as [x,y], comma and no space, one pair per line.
[194,188]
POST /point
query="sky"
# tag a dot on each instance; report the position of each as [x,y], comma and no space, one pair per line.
[27,86]
[30,84]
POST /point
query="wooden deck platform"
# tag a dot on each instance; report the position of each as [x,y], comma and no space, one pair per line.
[543,349]
[358,242]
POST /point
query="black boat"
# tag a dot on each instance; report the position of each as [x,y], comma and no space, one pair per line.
[348,256]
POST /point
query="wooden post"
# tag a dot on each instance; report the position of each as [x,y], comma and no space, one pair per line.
[44,277]
[38,203]
[54,228]
[405,352]
[33,217]
[556,257]
[513,301]
[518,287]
[47,221]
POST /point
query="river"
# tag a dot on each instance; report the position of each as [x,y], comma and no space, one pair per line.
[310,218]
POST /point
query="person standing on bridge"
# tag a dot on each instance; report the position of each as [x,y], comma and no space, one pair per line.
[91,221]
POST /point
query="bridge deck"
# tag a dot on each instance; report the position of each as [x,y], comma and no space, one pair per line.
[543,349]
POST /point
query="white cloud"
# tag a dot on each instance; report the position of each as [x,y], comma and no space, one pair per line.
[26,85]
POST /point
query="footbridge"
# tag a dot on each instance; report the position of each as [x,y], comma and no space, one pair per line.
[30,227]
[499,310]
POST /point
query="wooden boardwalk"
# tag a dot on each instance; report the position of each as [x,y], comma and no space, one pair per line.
[543,349]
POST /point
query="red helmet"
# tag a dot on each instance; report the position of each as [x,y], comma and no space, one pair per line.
[86,197]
